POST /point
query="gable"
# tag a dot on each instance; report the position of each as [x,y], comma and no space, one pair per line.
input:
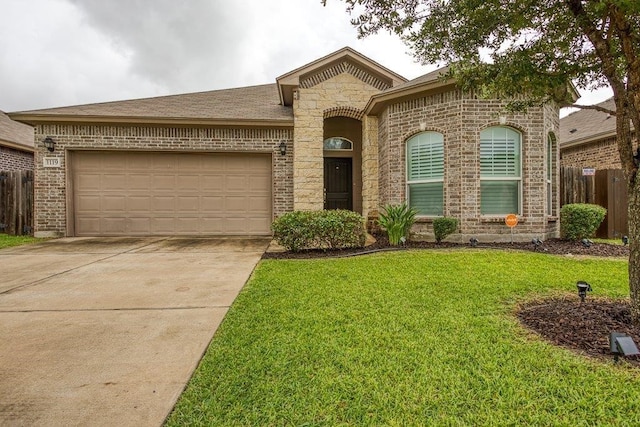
[344,67]
[345,60]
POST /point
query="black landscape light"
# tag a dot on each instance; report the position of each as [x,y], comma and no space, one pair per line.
[583,287]
[49,144]
[587,243]
[473,242]
[622,344]
[536,244]
[625,240]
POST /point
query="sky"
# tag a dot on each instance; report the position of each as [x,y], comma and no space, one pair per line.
[56,53]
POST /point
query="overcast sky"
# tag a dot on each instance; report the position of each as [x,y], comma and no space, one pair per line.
[67,52]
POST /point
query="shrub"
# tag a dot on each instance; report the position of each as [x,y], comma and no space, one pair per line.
[444,226]
[331,229]
[397,220]
[580,220]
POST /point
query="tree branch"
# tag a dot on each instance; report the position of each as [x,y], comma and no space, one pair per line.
[592,107]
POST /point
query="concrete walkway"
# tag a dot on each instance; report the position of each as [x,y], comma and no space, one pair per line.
[107,331]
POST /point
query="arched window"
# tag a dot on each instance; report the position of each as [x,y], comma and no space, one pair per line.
[337,143]
[425,173]
[500,171]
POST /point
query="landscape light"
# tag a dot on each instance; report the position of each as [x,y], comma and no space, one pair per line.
[536,244]
[586,243]
[583,287]
[622,344]
[625,240]
[473,241]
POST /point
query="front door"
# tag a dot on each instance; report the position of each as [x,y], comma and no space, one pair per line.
[338,183]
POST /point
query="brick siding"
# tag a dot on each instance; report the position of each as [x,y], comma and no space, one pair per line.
[51,186]
[460,117]
[602,154]
[15,160]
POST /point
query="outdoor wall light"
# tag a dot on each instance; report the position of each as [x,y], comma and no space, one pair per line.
[283,148]
[622,344]
[49,143]
[625,240]
[583,288]
[473,242]
[586,243]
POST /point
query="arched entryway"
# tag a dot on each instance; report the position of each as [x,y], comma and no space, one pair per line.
[342,152]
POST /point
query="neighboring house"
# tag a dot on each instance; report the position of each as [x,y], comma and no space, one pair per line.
[587,140]
[340,132]
[16,145]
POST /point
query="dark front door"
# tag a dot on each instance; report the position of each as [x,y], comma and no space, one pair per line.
[338,183]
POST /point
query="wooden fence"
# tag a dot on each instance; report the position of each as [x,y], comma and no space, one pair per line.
[16,202]
[606,188]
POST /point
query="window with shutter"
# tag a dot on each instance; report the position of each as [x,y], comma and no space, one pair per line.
[500,171]
[425,173]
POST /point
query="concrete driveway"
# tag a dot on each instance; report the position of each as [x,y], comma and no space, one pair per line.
[107,331]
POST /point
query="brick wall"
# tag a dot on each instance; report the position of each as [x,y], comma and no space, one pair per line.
[602,154]
[15,160]
[460,117]
[51,190]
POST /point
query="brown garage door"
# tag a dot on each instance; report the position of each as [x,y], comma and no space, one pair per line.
[145,193]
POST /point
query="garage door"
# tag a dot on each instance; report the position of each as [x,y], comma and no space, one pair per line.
[143,193]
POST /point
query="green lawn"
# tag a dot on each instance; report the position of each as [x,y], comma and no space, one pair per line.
[407,338]
[7,241]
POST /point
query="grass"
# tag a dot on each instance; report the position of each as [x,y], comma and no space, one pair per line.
[8,241]
[406,338]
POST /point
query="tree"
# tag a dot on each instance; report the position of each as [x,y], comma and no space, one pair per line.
[530,52]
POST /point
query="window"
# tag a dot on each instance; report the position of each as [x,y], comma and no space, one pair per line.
[425,173]
[500,171]
[337,143]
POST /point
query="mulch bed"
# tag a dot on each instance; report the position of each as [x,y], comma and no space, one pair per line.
[582,327]
[551,246]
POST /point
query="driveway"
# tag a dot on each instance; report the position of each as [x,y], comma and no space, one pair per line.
[107,331]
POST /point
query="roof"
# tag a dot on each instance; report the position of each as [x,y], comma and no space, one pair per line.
[433,81]
[248,106]
[586,125]
[15,135]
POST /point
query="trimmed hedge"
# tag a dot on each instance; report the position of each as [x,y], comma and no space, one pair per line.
[580,220]
[330,229]
[444,226]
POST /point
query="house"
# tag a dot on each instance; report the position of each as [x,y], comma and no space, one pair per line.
[16,145]
[588,141]
[340,132]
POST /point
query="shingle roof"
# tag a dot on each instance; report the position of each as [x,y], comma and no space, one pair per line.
[431,77]
[587,125]
[253,103]
[15,134]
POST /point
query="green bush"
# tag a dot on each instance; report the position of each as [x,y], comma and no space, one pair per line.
[580,220]
[397,220]
[444,226]
[331,229]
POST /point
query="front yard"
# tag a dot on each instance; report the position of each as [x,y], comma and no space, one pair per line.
[407,338]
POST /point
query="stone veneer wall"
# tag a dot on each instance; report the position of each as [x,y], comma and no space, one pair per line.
[15,160]
[601,154]
[342,90]
[50,215]
[460,117]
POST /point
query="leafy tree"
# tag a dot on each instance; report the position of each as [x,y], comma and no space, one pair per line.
[530,52]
